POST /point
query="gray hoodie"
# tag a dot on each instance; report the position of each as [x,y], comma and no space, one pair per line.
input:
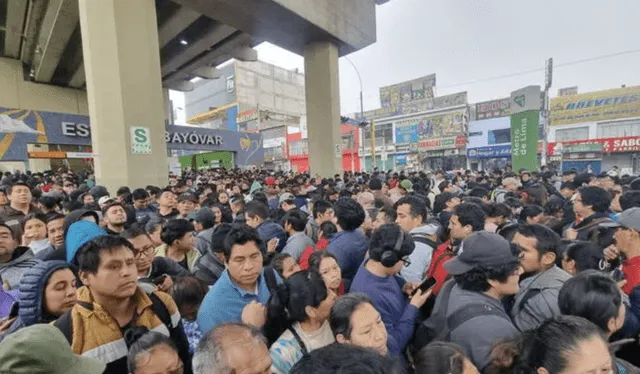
[537,299]
[203,241]
[420,258]
[11,272]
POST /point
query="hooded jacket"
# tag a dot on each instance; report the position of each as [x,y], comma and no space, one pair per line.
[11,272]
[73,217]
[78,234]
[420,257]
[537,300]
[269,230]
[31,296]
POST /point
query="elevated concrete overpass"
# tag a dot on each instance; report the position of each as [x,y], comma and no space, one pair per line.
[124,52]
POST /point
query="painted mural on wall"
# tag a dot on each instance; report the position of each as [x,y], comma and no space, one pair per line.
[20,127]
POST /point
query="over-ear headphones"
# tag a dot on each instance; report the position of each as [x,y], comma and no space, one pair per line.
[390,258]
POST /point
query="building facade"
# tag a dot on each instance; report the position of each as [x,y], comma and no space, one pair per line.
[298,149]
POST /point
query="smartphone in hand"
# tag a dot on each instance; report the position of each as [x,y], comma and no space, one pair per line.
[428,284]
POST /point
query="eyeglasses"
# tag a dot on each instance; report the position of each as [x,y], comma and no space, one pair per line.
[147,251]
[406,261]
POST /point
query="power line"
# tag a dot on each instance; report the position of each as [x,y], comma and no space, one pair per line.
[531,71]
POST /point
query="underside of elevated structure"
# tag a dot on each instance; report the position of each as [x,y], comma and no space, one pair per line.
[194,35]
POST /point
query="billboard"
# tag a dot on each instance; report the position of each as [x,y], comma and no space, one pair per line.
[417,89]
[493,109]
[407,133]
[418,106]
[437,125]
[596,106]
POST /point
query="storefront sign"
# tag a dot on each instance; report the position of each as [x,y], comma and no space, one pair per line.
[417,89]
[192,138]
[493,109]
[582,148]
[82,130]
[609,145]
[596,106]
[490,152]
[443,143]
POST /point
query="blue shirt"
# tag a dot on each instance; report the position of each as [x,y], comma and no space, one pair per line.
[225,301]
[393,305]
[349,247]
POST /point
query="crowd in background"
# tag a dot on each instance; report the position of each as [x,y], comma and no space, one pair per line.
[254,271]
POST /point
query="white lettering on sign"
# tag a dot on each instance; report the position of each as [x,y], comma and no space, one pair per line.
[192,138]
[621,143]
[82,130]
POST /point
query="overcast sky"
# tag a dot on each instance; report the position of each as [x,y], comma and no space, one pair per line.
[470,40]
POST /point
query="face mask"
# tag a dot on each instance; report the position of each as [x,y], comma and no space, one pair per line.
[39,245]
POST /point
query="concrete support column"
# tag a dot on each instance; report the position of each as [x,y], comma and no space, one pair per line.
[323,108]
[122,64]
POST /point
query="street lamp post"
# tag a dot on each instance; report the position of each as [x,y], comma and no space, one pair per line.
[361,111]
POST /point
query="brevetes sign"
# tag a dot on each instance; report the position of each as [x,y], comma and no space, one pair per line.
[596,106]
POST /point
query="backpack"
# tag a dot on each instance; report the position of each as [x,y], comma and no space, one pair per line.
[438,326]
[421,238]
[65,325]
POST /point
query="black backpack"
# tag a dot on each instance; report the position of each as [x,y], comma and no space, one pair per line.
[438,326]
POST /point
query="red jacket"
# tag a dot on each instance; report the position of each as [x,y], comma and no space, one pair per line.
[436,268]
[320,246]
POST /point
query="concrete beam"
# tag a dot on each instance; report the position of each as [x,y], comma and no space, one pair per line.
[78,79]
[219,53]
[182,86]
[60,20]
[205,72]
[35,15]
[293,24]
[218,33]
[246,54]
[174,25]
[16,15]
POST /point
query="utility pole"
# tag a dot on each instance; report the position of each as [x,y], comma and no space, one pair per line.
[373,144]
[548,82]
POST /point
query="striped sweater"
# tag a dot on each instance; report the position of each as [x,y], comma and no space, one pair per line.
[95,334]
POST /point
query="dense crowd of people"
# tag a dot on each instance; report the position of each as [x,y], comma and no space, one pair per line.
[254,271]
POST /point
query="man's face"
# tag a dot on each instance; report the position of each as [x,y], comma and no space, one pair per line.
[287,206]
[367,329]
[186,242]
[606,183]
[140,203]
[244,264]
[327,216]
[529,256]
[626,239]
[525,177]
[21,195]
[116,277]
[454,202]
[69,187]
[55,232]
[235,190]
[7,243]
[511,286]
[385,188]
[186,206]
[3,199]
[115,216]
[56,188]
[567,192]
[253,221]
[381,219]
[88,199]
[579,208]
[456,229]
[145,251]
[223,198]
[167,199]
[511,187]
[404,218]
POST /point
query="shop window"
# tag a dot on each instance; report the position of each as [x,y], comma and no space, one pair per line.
[299,147]
[576,133]
[619,129]
[384,133]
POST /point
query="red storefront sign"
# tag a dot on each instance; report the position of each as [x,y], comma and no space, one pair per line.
[609,145]
[443,143]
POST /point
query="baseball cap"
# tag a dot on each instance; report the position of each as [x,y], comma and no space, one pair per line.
[480,248]
[286,197]
[205,215]
[105,200]
[630,219]
[188,197]
[270,181]
[407,185]
[42,348]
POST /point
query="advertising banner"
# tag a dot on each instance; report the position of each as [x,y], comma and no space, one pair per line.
[609,145]
[437,125]
[496,151]
[407,134]
[524,139]
[596,106]
[443,143]
[417,89]
[418,106]
[493,109]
